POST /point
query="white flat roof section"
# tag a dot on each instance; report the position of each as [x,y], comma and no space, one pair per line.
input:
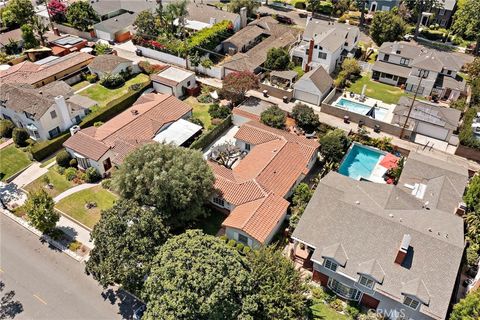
[178,132]
[175,74]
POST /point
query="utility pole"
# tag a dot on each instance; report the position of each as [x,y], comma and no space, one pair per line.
[421,74]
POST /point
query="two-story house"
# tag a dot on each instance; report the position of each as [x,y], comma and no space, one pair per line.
[255,189]
[44,112]
[381,5]
[387,247]
[325,44]
[405,64]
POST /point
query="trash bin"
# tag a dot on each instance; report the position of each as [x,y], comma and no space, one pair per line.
[265,93]
[285,99]
[139,52]
[361,123]
[346,119]
[376,128]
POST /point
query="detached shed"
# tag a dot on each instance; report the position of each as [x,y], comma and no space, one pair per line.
[174,81]
[116,29]
[313,86]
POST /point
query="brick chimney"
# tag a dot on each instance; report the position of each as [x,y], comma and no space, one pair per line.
[402,251]
[310,54]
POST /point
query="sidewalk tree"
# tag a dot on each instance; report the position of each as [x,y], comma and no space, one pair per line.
[333,145]
[197,276]
[236,85]
[81,15]
[274,117]
[386,26]
[279,289]
[28,36]
[468,308]
[467,22]
[176,181]
[57,10]
[127,237]
[305,117]
[40,211]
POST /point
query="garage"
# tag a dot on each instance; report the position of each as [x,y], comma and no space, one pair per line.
[432,131]
[306,96]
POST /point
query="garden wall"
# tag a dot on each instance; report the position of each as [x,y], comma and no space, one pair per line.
[206,139]
[214,72]
[66,29]
[469,153]
[164,57]
[275,92]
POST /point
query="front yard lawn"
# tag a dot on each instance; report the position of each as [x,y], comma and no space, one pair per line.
[58,181]
[12,160]
[104,95]
[325,312]
[200,111]
[74,205]
[376,90]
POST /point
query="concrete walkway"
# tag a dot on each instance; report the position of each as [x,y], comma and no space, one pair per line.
[75,231]
[31,173]
[6,143]
[74,190]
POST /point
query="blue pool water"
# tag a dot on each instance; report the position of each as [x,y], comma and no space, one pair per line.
[357,107]
[359,162]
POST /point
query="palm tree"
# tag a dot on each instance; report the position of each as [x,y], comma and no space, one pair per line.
[39,28]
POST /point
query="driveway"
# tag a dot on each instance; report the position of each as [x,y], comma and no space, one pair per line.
[298,16]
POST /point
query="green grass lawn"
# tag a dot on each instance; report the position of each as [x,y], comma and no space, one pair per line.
[104,95]
[377,90]
[74,205]
[299,71]
[80,85]
[200,111]
[12,160]
[324,312]
[59,182]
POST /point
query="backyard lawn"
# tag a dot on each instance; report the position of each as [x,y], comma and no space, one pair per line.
[325,312]
[74,205]
[12,160]
[200,111]
[59,182]
[376,90]
[104,95]
[80,85]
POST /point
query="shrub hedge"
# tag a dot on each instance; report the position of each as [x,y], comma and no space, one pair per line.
[205,139]
[466,136]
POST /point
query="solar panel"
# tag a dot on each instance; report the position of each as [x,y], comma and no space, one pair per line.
[68,40]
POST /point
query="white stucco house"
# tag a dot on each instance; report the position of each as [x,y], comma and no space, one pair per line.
[313,86]
[175,81]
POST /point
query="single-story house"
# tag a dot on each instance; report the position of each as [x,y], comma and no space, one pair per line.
[271,164]
[12,35]
[107,145]
[67,44]
[250,109]
[204,15]
[390,248]
[116,29]
[427,119]
[109,64]
[175,81]
[39,74]
[313,86]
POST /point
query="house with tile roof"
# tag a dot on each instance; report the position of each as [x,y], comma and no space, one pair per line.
[107,145]
[44,112]
[403,63]
[41,73]
[391,248]
[254,190]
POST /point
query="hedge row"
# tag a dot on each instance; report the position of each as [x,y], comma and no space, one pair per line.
[206,139]
[210,38]
[467,138]
[43,149]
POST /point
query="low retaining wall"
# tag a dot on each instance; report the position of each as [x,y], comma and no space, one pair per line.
[276,92]
[66,29]
[369,122]
[468,153]
[214,72]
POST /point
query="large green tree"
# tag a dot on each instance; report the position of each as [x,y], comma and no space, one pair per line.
[277,59]
[386,26]
[467,21]
[472,196]
[176,181]
[28,36]
[147,25]
[81,15]
[17,12]
[251,5]
[305,117]
[333,145]
[278,288]
[197,276]
[40,211]
[127,237]
[274,117]
[301,196]
[468,308]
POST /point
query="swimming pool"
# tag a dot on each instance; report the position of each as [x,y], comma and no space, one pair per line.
[359,162]
[357,107]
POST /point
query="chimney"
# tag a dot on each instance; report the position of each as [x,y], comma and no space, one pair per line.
[243,17]
[402,251]
[310,53]
[56,32]
[64,112]
[74,130]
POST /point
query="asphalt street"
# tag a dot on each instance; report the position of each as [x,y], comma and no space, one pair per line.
[48,284]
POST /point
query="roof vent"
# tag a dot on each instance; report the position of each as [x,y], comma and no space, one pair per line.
[134,112]
[402,251]
[390,215]
[40,92]
[357,202]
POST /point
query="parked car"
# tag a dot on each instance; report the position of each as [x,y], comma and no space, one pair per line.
[284,19]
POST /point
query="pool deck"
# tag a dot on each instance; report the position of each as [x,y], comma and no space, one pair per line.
[378,171]
[369,102]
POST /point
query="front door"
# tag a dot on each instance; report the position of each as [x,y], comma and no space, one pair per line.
[107,164]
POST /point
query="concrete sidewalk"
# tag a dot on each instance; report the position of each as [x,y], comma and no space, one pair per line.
[75,231]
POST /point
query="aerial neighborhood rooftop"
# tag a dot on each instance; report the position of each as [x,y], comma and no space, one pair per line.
[240,159]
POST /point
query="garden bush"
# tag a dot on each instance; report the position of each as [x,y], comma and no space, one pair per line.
[232,243]
[60,170]
[433,35]
[352,310]
[240,246]
[337,304]
[247,250]
[205,139]
[107,184]
[20,137]
[6,128]
[209,38]
[196,121]
[219,112]
[70,174]
[73,163]
[43,149]
[74,245]
[92,78]
[91,175]
[466,136]
[224,238]
[63,158]
[112,81]
[299,4]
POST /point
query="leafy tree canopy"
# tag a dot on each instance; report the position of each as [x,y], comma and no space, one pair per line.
[196,276]
[29,40]
[467,21]
[472,196]
[468,308]
[305,117]
[251,5]
[473,69]
[40,212]
[274,117]
[176,181]
[127,237]
[236,84]
[333,145]
[147,24]
[277,59]
[386,26]
[217,111]
[81,15]
[18,12]
[57,10]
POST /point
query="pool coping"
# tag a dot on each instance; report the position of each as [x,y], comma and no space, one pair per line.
[380,104]
[384,153]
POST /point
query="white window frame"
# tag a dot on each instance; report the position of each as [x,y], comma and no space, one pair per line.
[242,237]
[330,265]
[408,301]
[322,55]
[248,147]
[338,287]
[219,201]
[366,282]
[404,61]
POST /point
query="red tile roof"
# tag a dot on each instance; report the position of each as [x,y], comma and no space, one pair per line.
[135,126]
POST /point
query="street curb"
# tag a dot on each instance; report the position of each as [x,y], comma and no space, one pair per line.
[42,236]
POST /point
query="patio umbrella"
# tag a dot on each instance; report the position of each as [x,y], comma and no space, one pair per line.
[389,161]
[371,113]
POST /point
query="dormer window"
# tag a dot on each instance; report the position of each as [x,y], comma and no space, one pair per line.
[330,265]
[412,303]
[366,282]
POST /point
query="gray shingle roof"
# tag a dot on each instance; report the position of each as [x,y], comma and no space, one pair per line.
[391,68]
[370,221]
[106,62]
[329,35]
[320,78]
[117,23]
[203,13]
